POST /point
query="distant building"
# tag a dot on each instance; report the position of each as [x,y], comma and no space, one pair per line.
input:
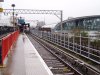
[86,23]
[40,24]
[89,25]
[49,27]
[15,20]
[5,22]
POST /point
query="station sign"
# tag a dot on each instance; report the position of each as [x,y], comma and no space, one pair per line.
[1,9]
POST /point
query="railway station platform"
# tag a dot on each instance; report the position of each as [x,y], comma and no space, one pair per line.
[25,60]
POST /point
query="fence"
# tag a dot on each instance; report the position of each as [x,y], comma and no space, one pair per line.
[6,44]
[85,46]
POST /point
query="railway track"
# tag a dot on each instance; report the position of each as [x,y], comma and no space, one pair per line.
[55,61]
[77,67]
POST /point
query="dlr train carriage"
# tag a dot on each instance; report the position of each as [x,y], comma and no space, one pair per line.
[23,26]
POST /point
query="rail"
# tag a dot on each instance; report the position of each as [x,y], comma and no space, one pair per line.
[80,45]
[55,40]
[45,45]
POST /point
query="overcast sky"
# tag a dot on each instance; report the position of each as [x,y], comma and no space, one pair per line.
[71,8]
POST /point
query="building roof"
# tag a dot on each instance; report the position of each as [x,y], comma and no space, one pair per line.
[83,17]
[49,26]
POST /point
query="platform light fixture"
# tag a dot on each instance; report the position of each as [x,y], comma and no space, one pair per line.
[13,5]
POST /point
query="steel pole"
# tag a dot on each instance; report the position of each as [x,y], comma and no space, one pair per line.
[61,20]
[13,17]
[13,5]
[61,28]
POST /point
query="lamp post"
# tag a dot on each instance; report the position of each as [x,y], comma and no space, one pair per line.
[13,5]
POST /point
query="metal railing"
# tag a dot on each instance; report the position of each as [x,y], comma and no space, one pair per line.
[80,45]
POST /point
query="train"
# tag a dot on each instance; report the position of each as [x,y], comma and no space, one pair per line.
[23,26]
